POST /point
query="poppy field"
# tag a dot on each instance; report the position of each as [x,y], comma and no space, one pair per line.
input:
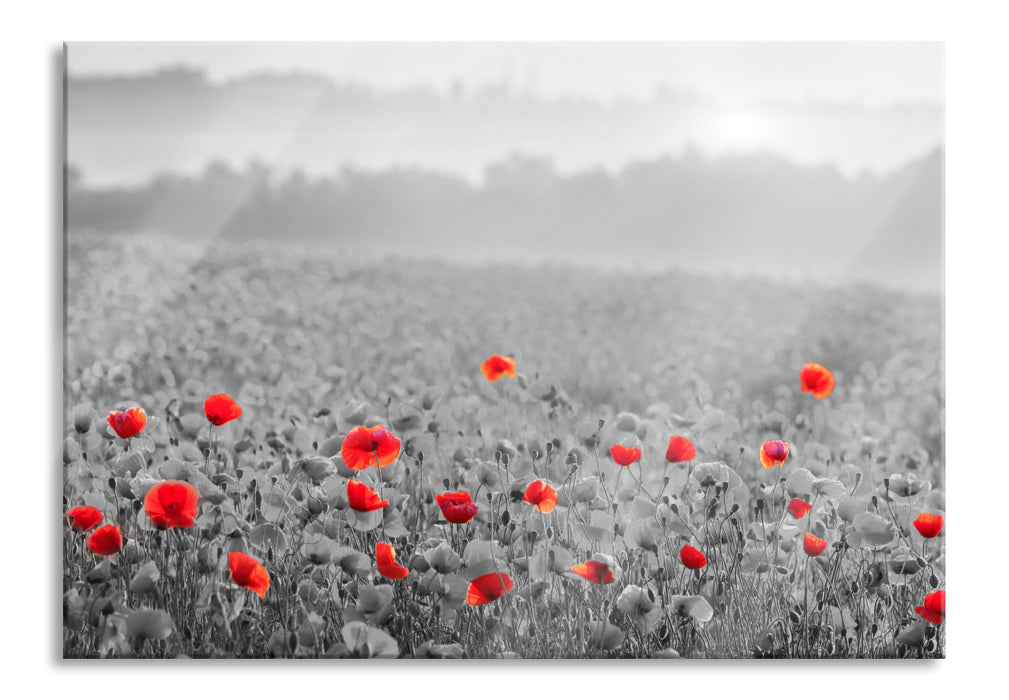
[276,451]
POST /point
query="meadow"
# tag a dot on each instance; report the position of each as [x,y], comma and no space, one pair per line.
[514,531]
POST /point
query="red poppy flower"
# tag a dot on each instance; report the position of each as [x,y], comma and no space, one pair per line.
[816,380]
[798,507]
[172,504]
[249,573]
[542,496]
[369,447]
[928,525]
[363,498]
[457,507]
[692,558]
[106,540]
[625,456]
[221,408]
[497,366]
[773,453]
[594,571]
[385,557]
[83,518]
[934,609]
[813,545]
[484,589]
[129,422]
[680,450]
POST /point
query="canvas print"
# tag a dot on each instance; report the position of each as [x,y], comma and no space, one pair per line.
[503,351]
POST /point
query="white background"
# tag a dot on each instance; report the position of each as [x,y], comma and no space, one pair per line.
[977,118]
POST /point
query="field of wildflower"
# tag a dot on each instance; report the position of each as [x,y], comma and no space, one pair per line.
[275,452]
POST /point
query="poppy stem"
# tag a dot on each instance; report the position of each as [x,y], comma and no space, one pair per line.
[210,447]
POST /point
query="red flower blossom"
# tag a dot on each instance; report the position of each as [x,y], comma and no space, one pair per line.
[363,498]
[484,589]
[497,366]
[385,557]
[369,447]
[773,453]
[106,540]
[929,525]
[172,504]
[813,545]
[221,408]
[594,571]
[692,558]
[83,518]
[249,573]
[129,422]
[625,456]
[934,609]
[798,507]
[542,496]
[816,380]
[457,507]
[680,450]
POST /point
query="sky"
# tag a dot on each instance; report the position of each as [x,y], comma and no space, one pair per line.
[872,74]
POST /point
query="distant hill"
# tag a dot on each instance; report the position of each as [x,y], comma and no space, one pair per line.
[744,214]
[911,232]
[125,129]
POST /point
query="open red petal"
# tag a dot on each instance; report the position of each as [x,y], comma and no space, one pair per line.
[172,504]
[221,409]
[594,571]
[385,559]
[484,589]
[83,518]
[928,525]
[363,498]
[680,450]
[774,453]
[497,366]
[798,507]
[816,380]
[457,507]
[362,445]
[542,496]
[692,558]
[813,545]
[625,456]
[106,540]
[249,573]
[128,423]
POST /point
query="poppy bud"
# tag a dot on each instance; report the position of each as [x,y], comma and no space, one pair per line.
[505,459]
[550,448]
[725,486]
[447,484]
[933,581]
[550,535]
[735,507]
[601,423]
[420,457]
[665,481]
[83,416]
[760,505]
[673,507]
[533,536]
[875,502]
[506,517]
